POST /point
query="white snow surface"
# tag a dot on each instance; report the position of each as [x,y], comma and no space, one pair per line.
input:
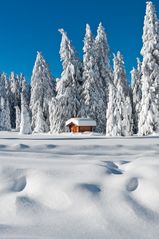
[78,186]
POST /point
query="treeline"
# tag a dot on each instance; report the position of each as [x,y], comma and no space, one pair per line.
[90,87]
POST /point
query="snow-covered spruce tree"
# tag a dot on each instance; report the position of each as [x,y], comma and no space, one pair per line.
[10,90]
[102,53]
[17,84]
[4,115]
[2,100]
[6,112]
[103,62]
[119,112]
[136,92]
[6,83]
[14,97]
[25,124]
[93,103]
[42,91]
[24,87]
[14,87]
[41,125]
[114,123]
[149,114]
[2,87]
[66,104]
[18,117]
[4,106]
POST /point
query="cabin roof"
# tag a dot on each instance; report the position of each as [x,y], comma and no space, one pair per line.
[81,122]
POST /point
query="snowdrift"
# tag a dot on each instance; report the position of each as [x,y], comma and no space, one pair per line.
[78,187]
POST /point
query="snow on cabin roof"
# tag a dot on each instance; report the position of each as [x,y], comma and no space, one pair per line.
[81,122]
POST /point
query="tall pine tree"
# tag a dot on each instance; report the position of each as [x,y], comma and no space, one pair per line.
[136,93]
[105,71]
[93,102]
[149,115]
[66,104]
[5,123]
[102,53]
[42,91]
[25,124]
[119,112]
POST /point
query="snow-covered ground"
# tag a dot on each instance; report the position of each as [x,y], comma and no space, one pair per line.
[75,187]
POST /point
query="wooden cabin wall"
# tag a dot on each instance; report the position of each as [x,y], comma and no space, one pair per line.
[85,128]
[76,129]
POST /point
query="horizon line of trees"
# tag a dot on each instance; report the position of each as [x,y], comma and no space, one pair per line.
[88,88]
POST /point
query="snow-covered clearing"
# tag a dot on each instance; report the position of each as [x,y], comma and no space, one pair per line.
[74,187]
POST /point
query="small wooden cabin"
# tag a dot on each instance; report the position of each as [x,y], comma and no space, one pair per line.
[80,125]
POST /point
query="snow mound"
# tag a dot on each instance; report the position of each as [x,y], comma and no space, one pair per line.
[132,184]
[82,187]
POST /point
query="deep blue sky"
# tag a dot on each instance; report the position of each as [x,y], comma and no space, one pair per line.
[28,26]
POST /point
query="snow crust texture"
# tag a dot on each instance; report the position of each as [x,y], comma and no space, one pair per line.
[78,187]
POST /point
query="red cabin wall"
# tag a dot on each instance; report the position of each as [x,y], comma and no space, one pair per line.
[75,129]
